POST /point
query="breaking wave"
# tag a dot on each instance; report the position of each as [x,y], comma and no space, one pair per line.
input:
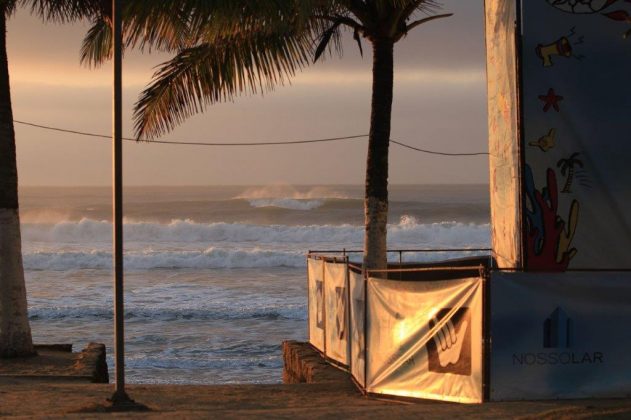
[184,244]
[407,232]
[147,260]
[286,203]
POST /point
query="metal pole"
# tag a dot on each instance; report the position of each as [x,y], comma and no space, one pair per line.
[117,195]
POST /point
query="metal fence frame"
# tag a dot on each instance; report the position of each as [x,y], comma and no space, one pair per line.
[331,256]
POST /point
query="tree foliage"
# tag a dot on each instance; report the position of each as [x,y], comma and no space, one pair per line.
[224,48]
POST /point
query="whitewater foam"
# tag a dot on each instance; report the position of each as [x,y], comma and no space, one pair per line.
[184,244]
[148,260]
[408,231]
[286,203]
[289,192]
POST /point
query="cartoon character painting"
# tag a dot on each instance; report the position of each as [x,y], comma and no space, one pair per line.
[561,47]
[582,7]
[548,236]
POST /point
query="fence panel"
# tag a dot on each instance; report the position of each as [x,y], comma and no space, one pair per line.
[357,317]
[573,336]
[336,311]
[424,339]
[315,274]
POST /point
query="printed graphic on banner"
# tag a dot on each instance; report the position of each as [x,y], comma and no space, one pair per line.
[340,313]
[450,349]
[557,330]
[359,311]
[575,173]
[572,344]
[335,312]
[595,7]
[558,334]
[320,304]
[424,339]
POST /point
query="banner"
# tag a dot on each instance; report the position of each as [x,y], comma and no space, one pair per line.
[424,339]
[563,335]
[357,314]
[504,160]
[575,104]
[315,273]
[336,311]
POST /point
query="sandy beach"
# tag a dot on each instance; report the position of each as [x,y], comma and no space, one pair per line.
[56,400]
[24,392]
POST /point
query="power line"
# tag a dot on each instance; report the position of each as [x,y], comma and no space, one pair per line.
[269,143]
[437,153]
[192,143]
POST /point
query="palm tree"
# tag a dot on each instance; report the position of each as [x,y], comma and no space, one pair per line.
[15,331]
[567,166]
[228,47]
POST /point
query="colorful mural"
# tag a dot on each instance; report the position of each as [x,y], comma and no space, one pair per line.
[548,236]
[575,131]
[595,6]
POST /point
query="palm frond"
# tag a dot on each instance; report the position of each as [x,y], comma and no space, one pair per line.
[97,44]
[325,38]
[63,10]
[209,73]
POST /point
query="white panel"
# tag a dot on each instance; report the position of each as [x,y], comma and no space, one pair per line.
[316,302]
[424,339]
[563,335]
[503,131]
[358,310]
[336,311]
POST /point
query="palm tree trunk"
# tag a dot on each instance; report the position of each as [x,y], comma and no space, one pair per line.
[376,197]
[15,332]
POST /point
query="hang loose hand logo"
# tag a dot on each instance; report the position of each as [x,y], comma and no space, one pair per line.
[449,349]
[449,342]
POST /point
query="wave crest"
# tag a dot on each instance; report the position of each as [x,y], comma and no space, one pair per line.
[287,203]
[149,260]
[407,232]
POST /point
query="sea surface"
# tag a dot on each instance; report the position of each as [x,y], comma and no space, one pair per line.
[215,277]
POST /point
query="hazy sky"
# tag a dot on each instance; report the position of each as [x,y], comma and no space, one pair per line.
[439,104]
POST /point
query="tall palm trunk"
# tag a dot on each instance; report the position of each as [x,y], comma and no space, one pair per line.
[15,332]
[376,198]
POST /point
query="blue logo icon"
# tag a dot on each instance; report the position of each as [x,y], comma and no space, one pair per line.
[558,330]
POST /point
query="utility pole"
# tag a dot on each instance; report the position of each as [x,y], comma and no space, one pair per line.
[120,396]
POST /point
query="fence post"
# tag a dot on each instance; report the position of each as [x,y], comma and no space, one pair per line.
[308,300]
[347,315]
[365,275]
[324,303]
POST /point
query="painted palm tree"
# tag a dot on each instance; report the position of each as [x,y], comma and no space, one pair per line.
[226,48]
[567,167]
[15,332]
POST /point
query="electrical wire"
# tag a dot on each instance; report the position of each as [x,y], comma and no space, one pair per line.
[431,152]
[268,143]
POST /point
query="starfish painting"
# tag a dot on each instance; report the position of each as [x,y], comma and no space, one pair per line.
[551,99]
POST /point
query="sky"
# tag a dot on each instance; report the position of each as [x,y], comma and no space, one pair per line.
[439,104]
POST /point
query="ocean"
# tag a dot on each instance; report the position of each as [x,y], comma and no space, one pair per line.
[215,277]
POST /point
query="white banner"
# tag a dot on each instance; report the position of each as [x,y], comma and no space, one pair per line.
[504,157]
[424,339]
[560,335]
[357,312]
[315,273]
[336,311]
